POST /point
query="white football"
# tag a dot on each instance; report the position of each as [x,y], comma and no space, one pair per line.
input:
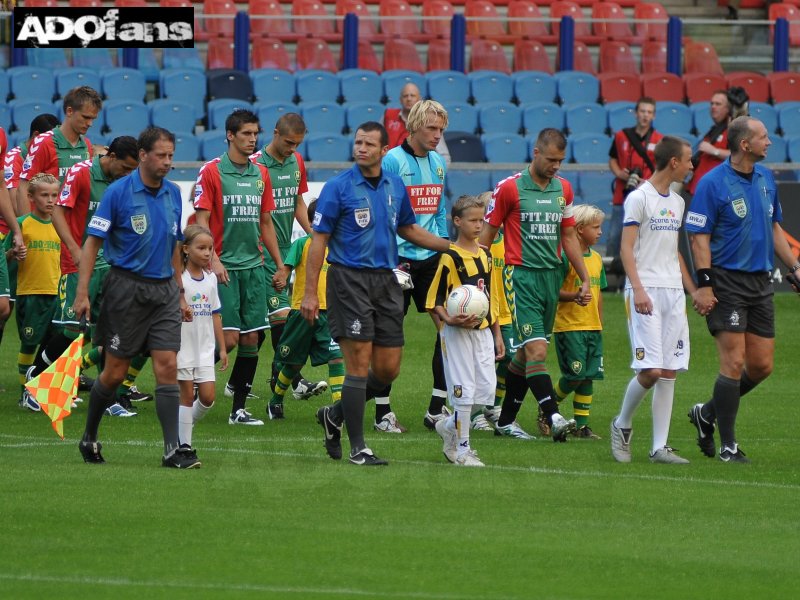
[468,300]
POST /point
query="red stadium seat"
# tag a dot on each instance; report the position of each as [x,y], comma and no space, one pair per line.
[222,26]
[199,34]
[488,55]
[616,57]
[530,55]
[701,86]
[566,8]
[83,3]
[790,13]
[321,26]
[583,59]
[125,3]
[278,27]
[651,11]
[367,59]
[522,9]
[616,87]
[395,19]
[437,8]
[439,55]
[618,29]
[366,23]
[662,87]
[40,3]
[755,84]
[270,53]
[654,56]
[784,86]
[701,57]
[315,54]
[220,53]
[478,10]
[401,53]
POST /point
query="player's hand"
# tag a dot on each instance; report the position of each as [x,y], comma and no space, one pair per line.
[20,249]
[309,308]
[76,256]
[279,278]
[585,294]
[82,307]
[642,302]
[220,271]
[499,348]
[466,321]
[223,360]
[186,311]
[703,300]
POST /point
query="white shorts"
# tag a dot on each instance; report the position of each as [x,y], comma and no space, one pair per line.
[659,340]
[197,374]
[468,356]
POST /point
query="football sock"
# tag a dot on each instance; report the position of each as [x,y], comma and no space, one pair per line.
[634,395]
[439,391]
[500,389]
[726,406]
[582,403]
[564,388]
[383,404]
[261,338]
[462,428]
[185,423]
[746,384]
[708,413]
[24,361]
[282,383]
[663,394]
[167,403]
[137,363]
[90,359]
[55,347]
[541,387]
[199,410]
[354,392]
[516,386]
[275,331]
[336,413]
[376,387]
[100,398]
[336,378]
[248,355]
[236,371]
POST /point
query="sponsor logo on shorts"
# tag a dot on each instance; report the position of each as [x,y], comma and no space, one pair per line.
[114,343]
[99,223]
[362,217]
[640,354]
[739,208]
[285,350]
[693,218]
[734,319]
[139,223]
[577,366]
[457,391]
[356,327]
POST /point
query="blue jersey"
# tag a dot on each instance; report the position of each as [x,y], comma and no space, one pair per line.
[739,215]
[140,230]
[424,180]
[362,220]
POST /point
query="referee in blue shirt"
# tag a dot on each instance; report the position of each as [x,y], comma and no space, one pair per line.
[734,220]
[138,225]
[359,213]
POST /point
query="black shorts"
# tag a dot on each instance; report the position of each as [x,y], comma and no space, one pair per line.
[744,303]
[138,314]
[365,305]
[422,273]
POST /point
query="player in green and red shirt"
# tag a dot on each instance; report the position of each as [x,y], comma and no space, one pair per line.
[15,158]
[233,198]
[534,208]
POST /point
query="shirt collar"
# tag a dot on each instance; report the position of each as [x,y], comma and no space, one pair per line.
[138,185]
[529,184]
[96,170]
[359,177]
[59,141]
[227,167]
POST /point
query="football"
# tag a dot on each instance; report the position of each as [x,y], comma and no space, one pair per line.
[468,300]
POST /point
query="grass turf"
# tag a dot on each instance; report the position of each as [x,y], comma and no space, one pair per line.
[269,514]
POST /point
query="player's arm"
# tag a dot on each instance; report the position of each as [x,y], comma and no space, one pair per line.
[62,229]
[422,237]
[309,307]
[499,344]
[572,248]
[641,301]
[7,210]
[701,251]
[782,248]
[301,213]
[270,239]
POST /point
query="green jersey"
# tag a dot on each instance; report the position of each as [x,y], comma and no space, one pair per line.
[52,153]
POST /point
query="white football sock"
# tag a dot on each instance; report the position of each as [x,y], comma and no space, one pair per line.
[462,418]
[663,394]
[633,398]
[199,410]
[185,424]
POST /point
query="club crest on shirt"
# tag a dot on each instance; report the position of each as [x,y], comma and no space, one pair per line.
[440,172]
[562,202]
[139,223]
[260,186]
[739,208]
[297,176]
[362,217]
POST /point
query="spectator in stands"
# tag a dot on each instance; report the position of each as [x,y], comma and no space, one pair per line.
[395,119]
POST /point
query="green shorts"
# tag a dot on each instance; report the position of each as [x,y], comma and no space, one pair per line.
[13,268]
[243,300]
[276,301]
[580,354]
[67,289]
[507,332]
[300,341]
[34,317]
[5,285]
[532,296]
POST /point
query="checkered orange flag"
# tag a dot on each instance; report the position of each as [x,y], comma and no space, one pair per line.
[55,387]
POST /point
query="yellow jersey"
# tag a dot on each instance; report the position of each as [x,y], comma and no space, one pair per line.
[570,316]
[297,257]
[40,271]
[498,250]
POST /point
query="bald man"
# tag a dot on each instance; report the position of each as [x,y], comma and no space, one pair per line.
[395,119]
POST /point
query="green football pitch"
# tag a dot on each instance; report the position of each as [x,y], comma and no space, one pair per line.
[269,515]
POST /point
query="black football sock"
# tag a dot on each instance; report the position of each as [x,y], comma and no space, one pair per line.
[354,392]
[262,338]
[55,347]
[516,387]
[100,398]
[248,355]
[541,387]
[726,404]
[746,384]
[439,394]
[167,398]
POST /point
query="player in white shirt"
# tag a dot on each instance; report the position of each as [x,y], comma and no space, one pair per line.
[654,299]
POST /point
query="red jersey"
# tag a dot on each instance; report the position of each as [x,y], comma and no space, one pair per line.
[395,126]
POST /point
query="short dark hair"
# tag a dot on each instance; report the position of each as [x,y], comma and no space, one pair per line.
[42,123]
[645,100]
[551,137]
[290,123]
[149,136]
[124,147]
[738,130]
[312,209]
[667,148]
[375,126]
[238,118]
[78,96]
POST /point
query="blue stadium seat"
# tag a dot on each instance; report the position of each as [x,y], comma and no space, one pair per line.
[4,89]
[491,86]
[315,85]
[505,148]
[131,115]
[273,85]
[5,118]
[789,118]
[96,59]
[183,58]
[572,176]
[500,117]
[148,64]
[218,110]
[590,148]
[586,118]
[778,149]
[323,117]
[464,147]
[468,182]
[395,79]
[702,117]
[72,77]
[95,132]
[621,114]
[675,118]
[323,175]
[357,113]
[187,146]
[229,83]
[184,85]
[269,113]
[32,83]
[328,147]
[792,149]
[534,87]
[448,86]
[122,83]
[461,117]
[213,143]
[596,188]
[25,111]
[50,58]
[172,114]
[540,115]
[360,85]
[577,86]
[498,175]
[99,139]
[766,114]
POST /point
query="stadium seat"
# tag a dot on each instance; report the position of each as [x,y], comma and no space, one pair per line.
[212,144]
[31,83]
[616,57]
[477,12]
[218,17]
[183,58]
[367,58]
[366,22]
[5,119]
[650,11]
[315,54]
[523,9]
[41,3]
[663,87]
[439,55]
[322,175]
[701,86]
[563,8]
[199,33]
[218,110]
[673,118]
[701,117]
[491,86]
[582,59]
[499,117]
[92,58]
[577,86]
[468,182]
[4,86]
[654,56]
[85,3]
[276,26]
[792,149]
[357,113]
[131,115]
[590,148]
[186,86]
[532,86]
[321,26]
[229,83]
[701,57]
[360,85]
[488,55]
[586,117]
[789,118]
[766,114]
[443,12]
[314,85]
[530,55]
[122,83]
[148,65]
[505,148]
[461,117]
[187,146]
[791,13]
[219,53]
[755,84]
[609,22]
[448,86]
[328,148]
[269,112]
[620,115]
[323,117]
[596,188]
[401,53]
[540,115]
[72,77]
[270,53]
[464,147]
[24,111]
[619,86]
[784,86]
[174,115]
[395,17]
[778,149]
[51,58]
[395,80]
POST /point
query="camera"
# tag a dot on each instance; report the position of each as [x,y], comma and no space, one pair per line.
[634,179]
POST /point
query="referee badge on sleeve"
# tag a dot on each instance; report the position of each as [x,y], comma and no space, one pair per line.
[362,217]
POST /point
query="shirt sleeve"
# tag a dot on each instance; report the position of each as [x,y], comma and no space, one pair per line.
[327,213]
[39,155]
[441,214]
[437,292]
[503,198]
[405,214]
[390,164]
[74,186]
[267,199]
[301,165]
[103,217]
[612,152]
[295,253]
[568,219]
[205,188]
[702,215]
[634,208]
